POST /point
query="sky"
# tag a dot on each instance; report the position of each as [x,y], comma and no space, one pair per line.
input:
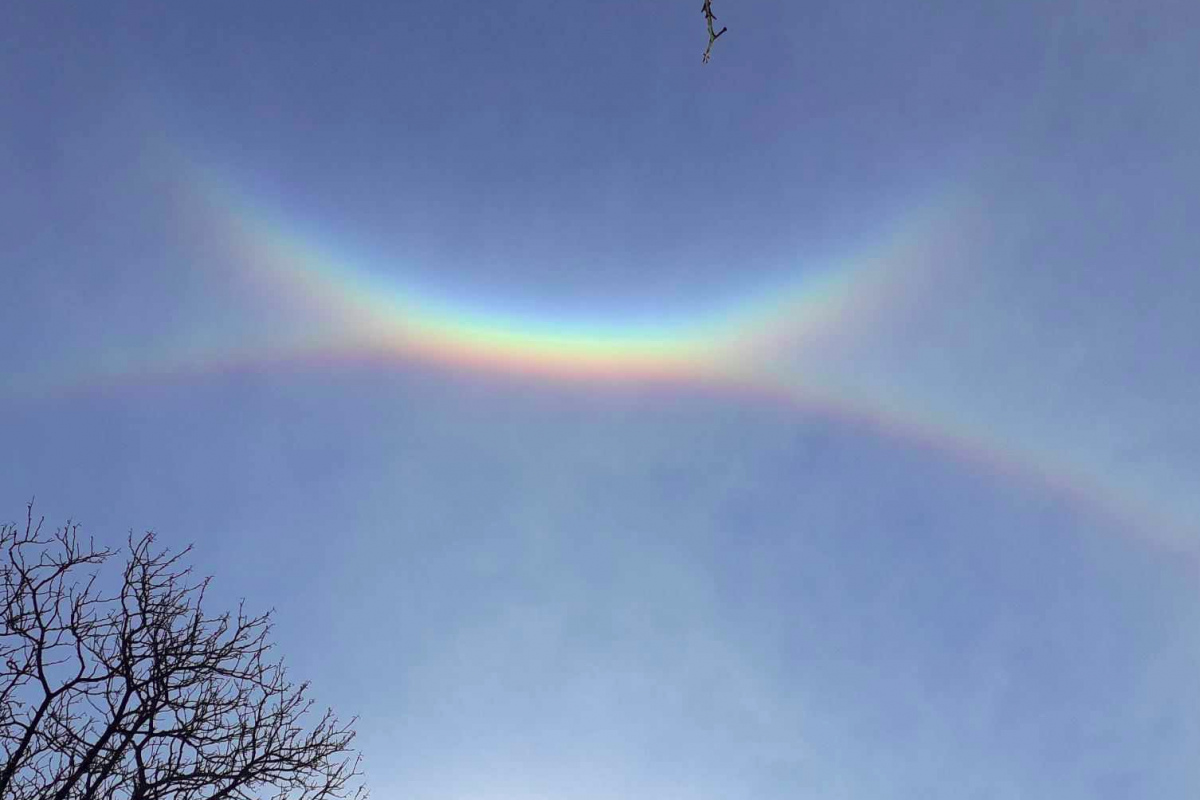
[816,422]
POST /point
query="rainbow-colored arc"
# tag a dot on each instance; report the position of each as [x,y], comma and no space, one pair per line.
[384,314]
[733,347]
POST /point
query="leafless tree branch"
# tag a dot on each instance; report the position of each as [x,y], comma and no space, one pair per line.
[141,694]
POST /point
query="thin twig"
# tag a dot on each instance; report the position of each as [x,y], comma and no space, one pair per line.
[709,16]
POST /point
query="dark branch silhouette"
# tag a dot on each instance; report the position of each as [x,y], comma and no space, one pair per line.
[139,694]
[709,16]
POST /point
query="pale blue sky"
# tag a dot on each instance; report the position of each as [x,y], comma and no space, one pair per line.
[964,567]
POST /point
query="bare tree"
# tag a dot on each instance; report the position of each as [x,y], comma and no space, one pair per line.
[709,17]
[137,693]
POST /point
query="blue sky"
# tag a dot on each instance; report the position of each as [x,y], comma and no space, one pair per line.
[930,533]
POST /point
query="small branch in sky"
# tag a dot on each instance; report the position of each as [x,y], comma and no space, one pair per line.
[709,16]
